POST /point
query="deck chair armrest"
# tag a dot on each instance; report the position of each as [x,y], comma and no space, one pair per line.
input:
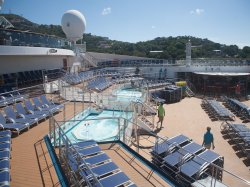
[83,165]
[89,177]
[51,101]
[203,168]
[38,108]
[187,156]
[30,111]
[11,120]
[20,115]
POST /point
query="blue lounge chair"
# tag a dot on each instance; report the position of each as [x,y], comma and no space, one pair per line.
[105,168]
[5,133]
[54,106]
[21,110]
[199,164]
[98,170]
[97,159]
[5,154]
[4,178]
[32,108]
[6,100]
[21,119]
[4,165]
[17,97]
[5,139]
[185,153]
[168,144]
[82,145]
[5,146]
[3,101]
[40,105]
[116,179]
[14,127]
[89,151]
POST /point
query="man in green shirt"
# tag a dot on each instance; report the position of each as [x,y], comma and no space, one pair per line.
[161,114]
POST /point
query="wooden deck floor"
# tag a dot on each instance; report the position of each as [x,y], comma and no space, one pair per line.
[31,164]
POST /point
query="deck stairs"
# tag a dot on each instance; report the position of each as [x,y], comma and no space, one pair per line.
[189,92]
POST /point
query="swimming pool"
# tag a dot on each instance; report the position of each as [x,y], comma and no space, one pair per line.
[128,94]
[92,127]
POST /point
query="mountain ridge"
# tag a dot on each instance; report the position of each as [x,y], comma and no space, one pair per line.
[172,47]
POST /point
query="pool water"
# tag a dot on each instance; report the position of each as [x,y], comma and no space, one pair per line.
[97,129]
[128,94]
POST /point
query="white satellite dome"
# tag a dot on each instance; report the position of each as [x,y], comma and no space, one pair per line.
[1,3]
[73,24]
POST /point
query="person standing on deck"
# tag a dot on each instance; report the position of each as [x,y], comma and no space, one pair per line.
[237,91]
[161,114]
[208,139]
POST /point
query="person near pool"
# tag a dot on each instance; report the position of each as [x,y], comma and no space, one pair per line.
[161,114]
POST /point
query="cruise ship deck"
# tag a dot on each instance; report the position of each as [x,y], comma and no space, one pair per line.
[31,164]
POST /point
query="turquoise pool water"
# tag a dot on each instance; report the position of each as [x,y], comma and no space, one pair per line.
[91,127]
[128,94]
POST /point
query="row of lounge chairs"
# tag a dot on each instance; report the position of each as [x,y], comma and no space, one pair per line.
[154,84]
[5,148]
[99,84]
[238,108]
[12,97]
[27,116]
[74,79]
[94,167]
[216,111]
[120,80]
[184,160]
[240,135]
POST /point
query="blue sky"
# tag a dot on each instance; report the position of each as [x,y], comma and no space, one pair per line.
[223,21]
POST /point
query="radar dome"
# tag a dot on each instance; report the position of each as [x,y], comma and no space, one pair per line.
[1,3]
[73,24]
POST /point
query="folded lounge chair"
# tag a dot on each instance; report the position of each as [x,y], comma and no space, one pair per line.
[169,143]
[185,153]
[196,167]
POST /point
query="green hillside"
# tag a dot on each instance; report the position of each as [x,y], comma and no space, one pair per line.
[172,47]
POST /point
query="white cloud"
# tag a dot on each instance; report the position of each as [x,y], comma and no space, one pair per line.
[153,27]
[197,11]
[106,11]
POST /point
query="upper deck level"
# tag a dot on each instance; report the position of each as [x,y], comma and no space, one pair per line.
[11,37]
